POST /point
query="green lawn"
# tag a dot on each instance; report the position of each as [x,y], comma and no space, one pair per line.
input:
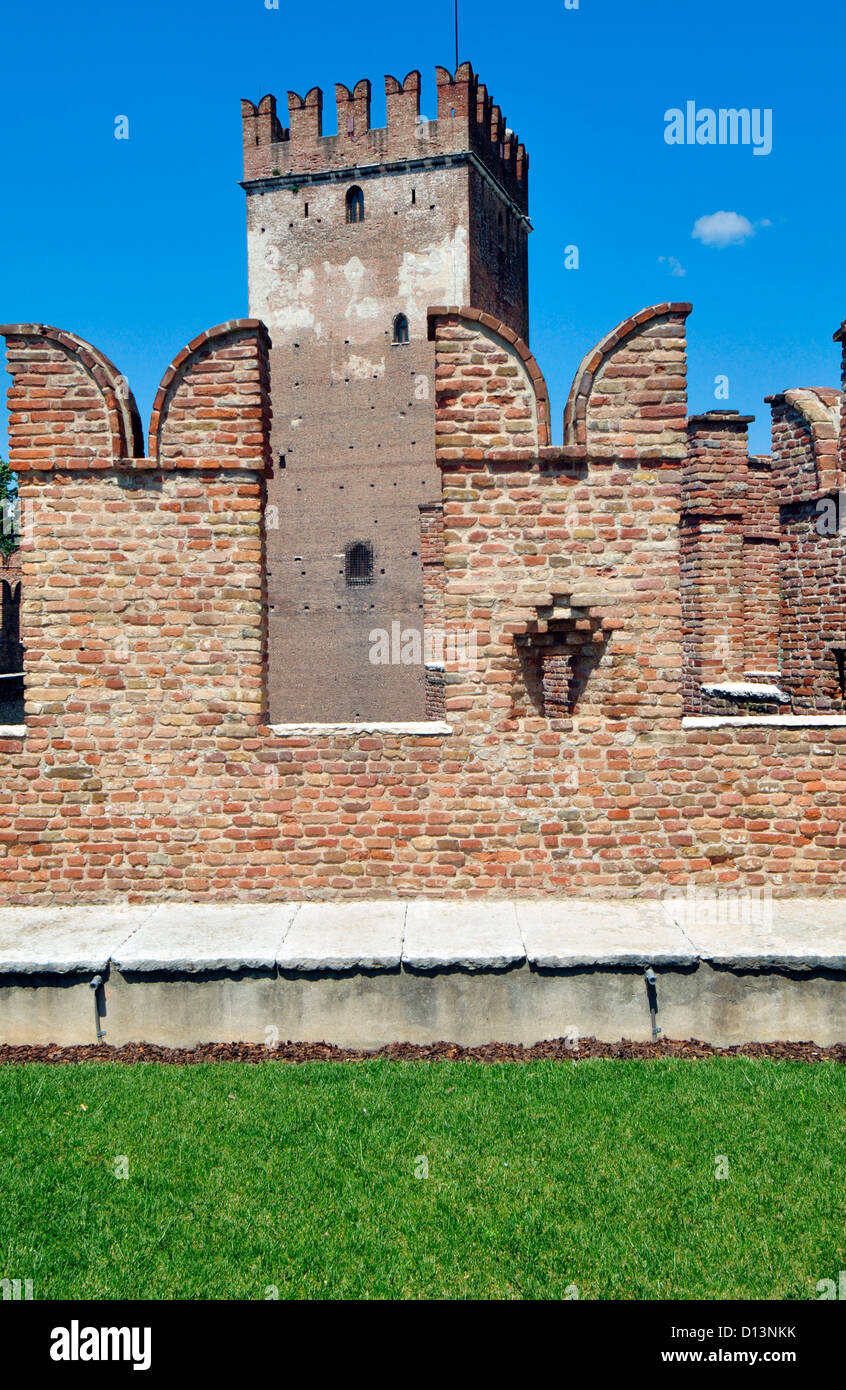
[542,1176]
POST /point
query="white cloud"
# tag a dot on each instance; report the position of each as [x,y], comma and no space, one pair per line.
[722,229]
[674,266]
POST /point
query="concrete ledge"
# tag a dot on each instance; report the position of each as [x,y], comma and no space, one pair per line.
[344,936]
[186,938]
[65,940]
[463,936]
[580,934]
[368,1010]
[367,973]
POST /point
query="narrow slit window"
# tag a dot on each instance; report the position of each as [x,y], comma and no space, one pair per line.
[400,329]
[11,655]
[840,658]
[358,563]
[355,204]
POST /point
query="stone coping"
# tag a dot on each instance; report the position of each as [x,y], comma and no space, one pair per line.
[419,729]
[746,930]
[752,721]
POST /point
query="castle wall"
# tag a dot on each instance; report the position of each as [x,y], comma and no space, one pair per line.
[813,606]
[808,479]
[148,769]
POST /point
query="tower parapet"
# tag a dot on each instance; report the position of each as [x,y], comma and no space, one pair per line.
[468,122]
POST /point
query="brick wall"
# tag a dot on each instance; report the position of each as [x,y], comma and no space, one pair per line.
[148,770]
[445,220]
[713,573]
[808,476]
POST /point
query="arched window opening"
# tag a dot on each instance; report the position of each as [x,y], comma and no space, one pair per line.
[358,563]
[400,329]
[355,204]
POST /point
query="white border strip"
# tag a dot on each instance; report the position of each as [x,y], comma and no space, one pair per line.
[424,729]
[757,721]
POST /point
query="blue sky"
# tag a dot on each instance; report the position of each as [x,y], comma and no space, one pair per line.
[138,244]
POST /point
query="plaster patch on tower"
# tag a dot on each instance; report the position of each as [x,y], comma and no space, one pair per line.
[368,308]
[423,274]
[358,368]
[289,302]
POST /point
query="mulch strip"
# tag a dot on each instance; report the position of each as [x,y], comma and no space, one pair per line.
[557,1050]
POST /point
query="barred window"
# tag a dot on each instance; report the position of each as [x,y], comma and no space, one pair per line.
[358,563]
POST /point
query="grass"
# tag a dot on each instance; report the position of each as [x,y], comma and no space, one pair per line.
[542,1176]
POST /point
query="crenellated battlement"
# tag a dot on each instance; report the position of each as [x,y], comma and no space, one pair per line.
[468,122]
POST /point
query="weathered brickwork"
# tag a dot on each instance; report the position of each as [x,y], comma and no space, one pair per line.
[808,477]
[211,406]
[628,400]
[468,122]
[713,581]
[68,405]
[492,402]
[434,583]
[351,237]
[149,769]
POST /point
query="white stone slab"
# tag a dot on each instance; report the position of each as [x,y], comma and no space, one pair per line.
[345,936]
[420,729]
[791,933]
[570,933]
[65,940]
[755,721]
[190,937]
[469,935]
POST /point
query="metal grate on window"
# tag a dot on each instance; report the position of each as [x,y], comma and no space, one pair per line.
[358,563]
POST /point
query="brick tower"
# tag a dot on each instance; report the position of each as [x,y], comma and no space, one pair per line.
[351,238]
